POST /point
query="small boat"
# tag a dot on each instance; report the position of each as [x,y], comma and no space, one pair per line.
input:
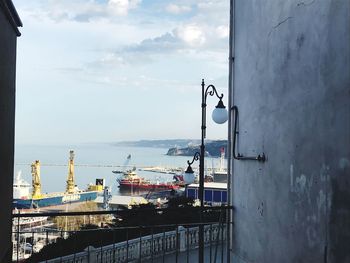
[130,180]
[29,222]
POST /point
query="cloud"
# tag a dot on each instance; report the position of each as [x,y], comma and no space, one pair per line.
[122,7]
[223,31]
[141,53]
[164,43]
[120,44]
[82,10]
[190,40]
[177,9]
[192,34]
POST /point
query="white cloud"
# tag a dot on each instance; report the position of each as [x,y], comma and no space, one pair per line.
[79,10]
[121,7]
[177,9]
[223,31]
[188,40]
[192,34]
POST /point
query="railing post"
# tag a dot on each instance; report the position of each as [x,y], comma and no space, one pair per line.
[177,244]
[188,245]
[163,245]
[75,245]
[113,229]
[140,246]
[211,239]
[152,247]
[61,245]
[101,252]
[32,243]
[91,254]
[18,238]
[47,237]
[127,244]
[222,242]
[182,234]
[88,251]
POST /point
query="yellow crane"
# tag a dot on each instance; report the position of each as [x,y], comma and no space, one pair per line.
[36,193]
[70,189]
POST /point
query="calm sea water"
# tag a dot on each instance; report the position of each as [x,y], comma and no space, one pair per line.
[53,178]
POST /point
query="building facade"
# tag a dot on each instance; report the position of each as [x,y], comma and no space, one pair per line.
[9,23]
[291,84]
[215,194]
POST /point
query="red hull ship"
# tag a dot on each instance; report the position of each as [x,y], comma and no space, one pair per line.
[131,180]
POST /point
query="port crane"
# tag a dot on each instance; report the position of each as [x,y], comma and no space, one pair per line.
[36,180]
[70,189]
[124,166]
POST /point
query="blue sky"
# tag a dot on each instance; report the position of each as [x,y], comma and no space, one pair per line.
[112,70]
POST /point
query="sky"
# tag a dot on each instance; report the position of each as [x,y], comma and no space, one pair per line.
[91,71]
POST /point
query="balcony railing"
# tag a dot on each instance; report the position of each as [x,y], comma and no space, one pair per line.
[142,243]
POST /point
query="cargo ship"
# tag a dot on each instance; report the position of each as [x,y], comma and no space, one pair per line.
[23,199]
[130,180]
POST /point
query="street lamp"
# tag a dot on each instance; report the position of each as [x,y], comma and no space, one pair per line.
[219,116]
[189,174]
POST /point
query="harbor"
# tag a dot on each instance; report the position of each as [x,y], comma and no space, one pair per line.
[116,186]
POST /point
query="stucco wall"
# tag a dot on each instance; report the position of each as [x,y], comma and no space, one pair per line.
[7,122]
[292,88]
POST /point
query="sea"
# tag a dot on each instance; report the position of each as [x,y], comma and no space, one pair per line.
[94,161]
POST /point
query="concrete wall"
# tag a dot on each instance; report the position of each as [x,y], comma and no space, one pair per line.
[7,124]
[292,87]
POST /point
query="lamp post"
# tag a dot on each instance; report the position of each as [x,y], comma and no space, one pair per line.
[219,116]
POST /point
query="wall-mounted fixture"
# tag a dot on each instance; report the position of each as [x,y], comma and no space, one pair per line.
[239,156]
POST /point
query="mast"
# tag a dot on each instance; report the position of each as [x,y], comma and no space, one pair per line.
[36,193]
[70,180]
[222,159]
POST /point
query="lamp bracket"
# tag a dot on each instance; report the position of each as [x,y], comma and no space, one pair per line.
[211,90]
[195,158]
[239,156]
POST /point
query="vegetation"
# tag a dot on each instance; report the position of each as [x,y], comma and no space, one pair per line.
[72,223]
[158,143]
[212,148]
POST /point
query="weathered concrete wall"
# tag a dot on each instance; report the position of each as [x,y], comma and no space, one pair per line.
[292,87]
[7,123]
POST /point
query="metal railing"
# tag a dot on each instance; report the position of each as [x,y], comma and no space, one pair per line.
[175,242]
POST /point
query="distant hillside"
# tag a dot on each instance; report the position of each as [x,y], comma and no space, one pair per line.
[212,148]
[158,143]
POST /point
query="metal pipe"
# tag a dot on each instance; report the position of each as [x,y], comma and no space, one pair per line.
[238,156]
